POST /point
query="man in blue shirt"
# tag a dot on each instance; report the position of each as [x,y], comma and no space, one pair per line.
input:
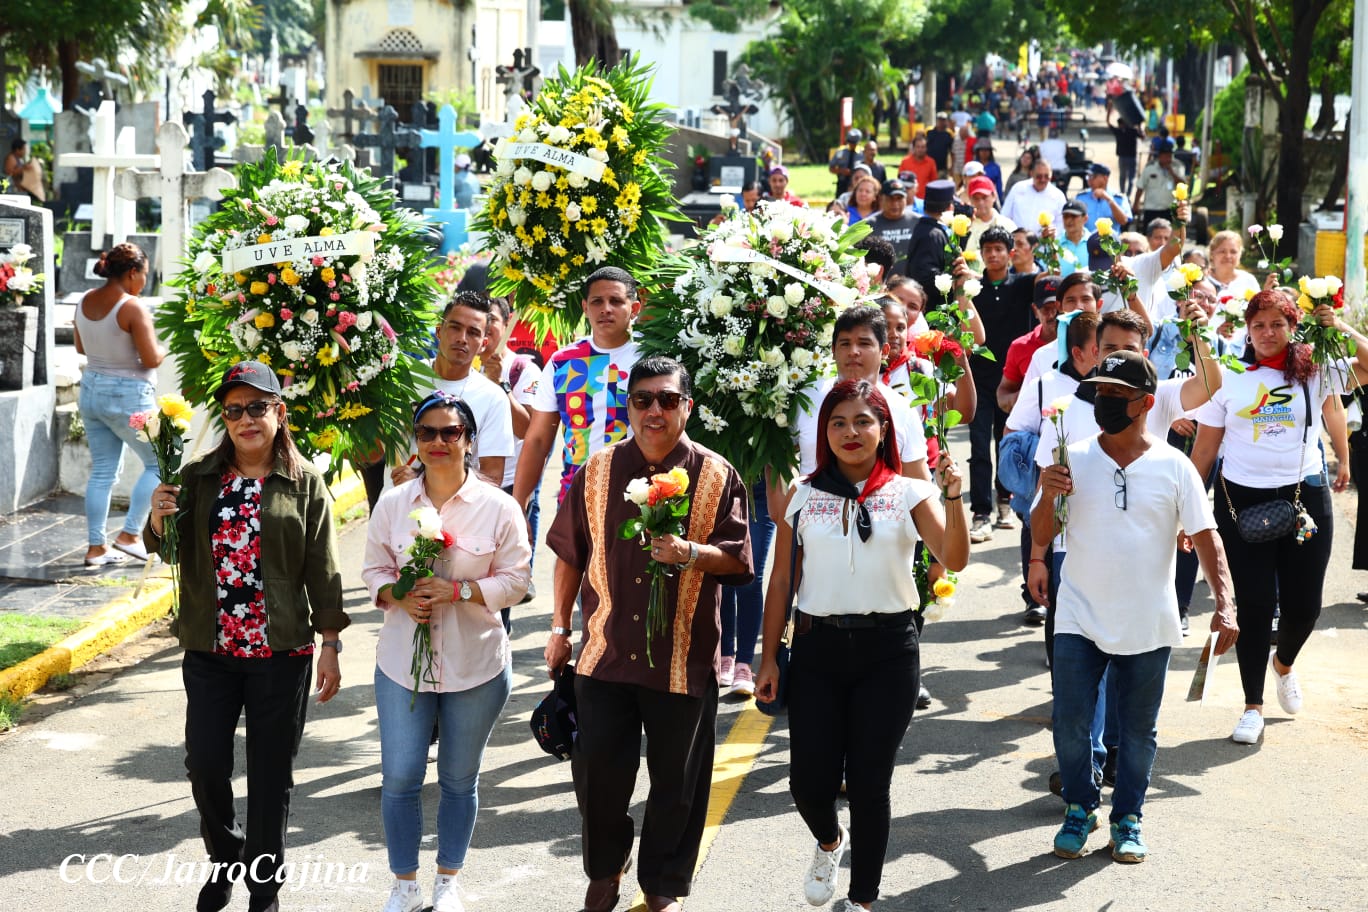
[1099,203]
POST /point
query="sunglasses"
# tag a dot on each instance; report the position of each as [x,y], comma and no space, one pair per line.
[668,401]
[255,409]
[427,434]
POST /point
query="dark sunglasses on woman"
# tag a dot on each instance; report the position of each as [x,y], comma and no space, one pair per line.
[255,409]
[449,433]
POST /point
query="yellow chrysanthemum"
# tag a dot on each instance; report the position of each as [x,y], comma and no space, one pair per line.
[264,358]
[588,204]
[292,169]
[325,438]
[351,412]
[263,239]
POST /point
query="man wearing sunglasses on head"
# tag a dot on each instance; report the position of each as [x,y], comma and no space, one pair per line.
[628,681]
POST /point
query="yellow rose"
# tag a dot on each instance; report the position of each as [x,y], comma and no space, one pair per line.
[1303,283]
[264,320]
[1249,294]
[1180,193]
[960,225]
[1104,227]
[240,278]
[328,274]
[1192,272]
[943,588]
[263,239]
[1305,303]
[325,232]
[1044,220]
[289,276]
[175,407]
[971,256]
[259,288]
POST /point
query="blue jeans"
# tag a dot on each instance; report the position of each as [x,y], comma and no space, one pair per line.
[742,606]
[1105,728]
[106,403]
[467,718]
[1079,667]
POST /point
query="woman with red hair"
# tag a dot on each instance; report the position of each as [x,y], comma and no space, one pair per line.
[1269,420]
[853,674]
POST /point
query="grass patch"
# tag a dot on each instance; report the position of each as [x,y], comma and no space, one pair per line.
[22,636]
[10,710]
[61,681]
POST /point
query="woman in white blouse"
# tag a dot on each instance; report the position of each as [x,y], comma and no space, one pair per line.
[484,570]
[854,667]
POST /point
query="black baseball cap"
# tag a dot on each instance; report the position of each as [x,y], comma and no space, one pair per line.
[249,373]
[554,725]
[1046,290]
[1074,207]
[894,187]
[1098,259]
[1126,368]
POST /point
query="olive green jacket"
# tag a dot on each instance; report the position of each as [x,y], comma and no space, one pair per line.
[299,565]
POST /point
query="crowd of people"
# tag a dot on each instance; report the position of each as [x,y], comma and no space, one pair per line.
[1084,436]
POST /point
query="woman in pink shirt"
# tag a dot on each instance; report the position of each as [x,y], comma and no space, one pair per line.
[485,569]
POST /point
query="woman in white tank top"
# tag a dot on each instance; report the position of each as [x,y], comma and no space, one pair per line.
[114,331]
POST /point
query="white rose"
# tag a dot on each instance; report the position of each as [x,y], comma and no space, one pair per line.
[251,338]
[153,426]
[777,307]
[794,292]
[944,282]
[522,177]
[310,317]
[773,358]
[781,232]
[1316,288]
[637,490]
[1275,232]
[363,320]
[1263,264]
[296,223]
[528,136]
[801,358]
[203,263]
[597,154]
[558,136]
[1176,281]
[429,522]
[517,217]
[972,287]
[1333,284]
[542,181]
[825,334]
[727,203]
[572,212]
[22,281]
[505,167]
[720,306]
[21,252]
[292,351]
[781,419]
[576,181]
[734,345]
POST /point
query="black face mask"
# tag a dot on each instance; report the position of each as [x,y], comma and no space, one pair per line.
[1110,413]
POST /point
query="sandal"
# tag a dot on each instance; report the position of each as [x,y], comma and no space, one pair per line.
[104,560]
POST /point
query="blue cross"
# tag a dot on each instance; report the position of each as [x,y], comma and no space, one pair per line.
[446,139]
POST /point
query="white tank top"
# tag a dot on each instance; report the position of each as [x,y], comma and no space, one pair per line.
[109,349]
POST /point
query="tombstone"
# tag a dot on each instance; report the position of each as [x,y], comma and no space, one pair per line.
[386,141]
[444,141]
[730,173]
[351,112]
[299,131]
[283,101]
[29,446]
[276,137]
[204,141]
[175,185]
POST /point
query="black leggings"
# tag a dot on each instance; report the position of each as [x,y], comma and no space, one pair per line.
[1278,574]
[851,694]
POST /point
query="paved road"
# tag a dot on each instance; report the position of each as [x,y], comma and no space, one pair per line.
[1275,827]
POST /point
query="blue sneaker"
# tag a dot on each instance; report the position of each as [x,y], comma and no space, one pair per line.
[1073,835]
[1126,844]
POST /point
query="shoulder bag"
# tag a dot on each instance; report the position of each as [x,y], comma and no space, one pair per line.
[1270,520]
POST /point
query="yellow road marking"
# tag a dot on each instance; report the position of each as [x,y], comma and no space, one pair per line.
[731,763]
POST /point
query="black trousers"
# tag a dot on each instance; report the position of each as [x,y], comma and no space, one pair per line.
[1279,574]
[373,476]
[275,693]
[680,739]
[851,694]
[985,433]
[1358,468]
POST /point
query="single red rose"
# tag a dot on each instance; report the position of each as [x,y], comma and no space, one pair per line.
[447,539]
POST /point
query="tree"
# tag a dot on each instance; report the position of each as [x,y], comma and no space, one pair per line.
[591,25]
[293,21]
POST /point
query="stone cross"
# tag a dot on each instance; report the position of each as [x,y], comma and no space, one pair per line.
[322,138]
[175,185]
[300,132]
[735,112]
[386,141]
[98,70]
[284,100]
[375,104]
[203,142]
[112,216]
[446,139]
[349,112]
[516,80]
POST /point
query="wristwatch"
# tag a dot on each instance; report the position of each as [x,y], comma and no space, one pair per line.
[560,631]
[693,557]
[463,590]
[335,644]
[505,386]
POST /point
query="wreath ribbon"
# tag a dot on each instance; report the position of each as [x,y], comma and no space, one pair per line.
[730,253]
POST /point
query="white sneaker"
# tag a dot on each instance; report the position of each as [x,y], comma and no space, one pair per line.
[825,872]
[845,905]
[1249,728]
[405,896]
[1289,691]
[726,672]
[432,753]
[446,894]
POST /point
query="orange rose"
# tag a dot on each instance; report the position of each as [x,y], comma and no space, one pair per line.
[928,343]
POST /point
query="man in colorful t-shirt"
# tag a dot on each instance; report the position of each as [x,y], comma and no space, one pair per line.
[584,387]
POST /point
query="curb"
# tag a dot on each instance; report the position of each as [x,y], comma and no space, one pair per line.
[125,616]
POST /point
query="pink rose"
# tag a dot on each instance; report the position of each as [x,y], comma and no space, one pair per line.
[345,320]
[318,261]
[286,313]
[137,421]
[272,220]
[271,278]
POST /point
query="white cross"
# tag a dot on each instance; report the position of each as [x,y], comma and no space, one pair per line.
[175,185]
[113,216]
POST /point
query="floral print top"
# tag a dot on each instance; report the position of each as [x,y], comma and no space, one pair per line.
[235,535]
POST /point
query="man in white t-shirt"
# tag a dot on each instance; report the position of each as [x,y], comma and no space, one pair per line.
[584,387]
[460,337]
[1129,496]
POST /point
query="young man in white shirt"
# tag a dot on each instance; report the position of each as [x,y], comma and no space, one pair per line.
[1129,496]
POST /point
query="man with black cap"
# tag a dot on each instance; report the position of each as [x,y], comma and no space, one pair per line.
[894,223]
[1129,496]
[844,161]
[1099,203]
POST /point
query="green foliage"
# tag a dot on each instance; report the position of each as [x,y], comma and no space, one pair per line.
[24,636]
[727,15]
[293,22]
[951,35]
[1146,27]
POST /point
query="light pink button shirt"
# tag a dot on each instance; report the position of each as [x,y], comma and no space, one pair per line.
[491,549]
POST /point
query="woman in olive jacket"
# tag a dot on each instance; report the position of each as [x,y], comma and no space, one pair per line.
[259,577]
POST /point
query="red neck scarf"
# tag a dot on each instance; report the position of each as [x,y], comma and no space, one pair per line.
[1278,362]
[896,363]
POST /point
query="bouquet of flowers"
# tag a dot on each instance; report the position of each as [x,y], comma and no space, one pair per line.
[1049,251]
[578,186]
[750,312]
[1267,240]
[935,596]
[664,503]
[1054,413]
[1231,309]
[165,428]
[429,541]
[948,339]
[18,281]
[313,269]
[1112,247]
[1329,344]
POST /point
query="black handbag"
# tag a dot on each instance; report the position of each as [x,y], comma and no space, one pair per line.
[1270,520]
[781,655]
